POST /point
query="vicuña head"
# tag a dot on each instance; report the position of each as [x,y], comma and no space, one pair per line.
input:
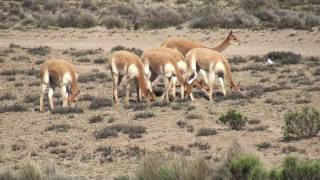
[232,39]
[58,72]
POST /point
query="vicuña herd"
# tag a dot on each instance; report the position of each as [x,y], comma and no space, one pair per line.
[188,62]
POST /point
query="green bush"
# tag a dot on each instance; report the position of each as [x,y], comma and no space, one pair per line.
[303,124]
[233,119]
[158,167]
[247,167]
[292,168]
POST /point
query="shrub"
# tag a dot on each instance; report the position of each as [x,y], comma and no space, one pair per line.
[88,4]
[94,76]
[316,72]
[112,22]
[234,119]
[67,110]
[136,51]
[86,20]
[284,57]
[294,169]
[7,96]
[161,16]
[194,116]
[13,108]
[100,60]
[84,59]
[303,124]
[144,115]
[20,58]
[224,19]
[58,128]
[264,145]
[68,18]
[41,50]
[31,98]
[86,97]
[247,167]
[99,102]
[206,132]
[290,22]
[32,172]
[95,119]
[172,168]
[38,62]
[53,5]
[200,145]
[105,133]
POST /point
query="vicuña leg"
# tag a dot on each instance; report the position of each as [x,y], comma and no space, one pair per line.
[127,90]
[115,88]
[64,95]
[50,95]
[174,83]
[43,91]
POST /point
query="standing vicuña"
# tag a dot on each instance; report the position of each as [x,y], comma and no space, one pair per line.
[162,63]
[210,63]
[184,45]
[128,65]
[60,73]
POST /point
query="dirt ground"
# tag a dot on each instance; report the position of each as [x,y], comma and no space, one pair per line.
[24,136]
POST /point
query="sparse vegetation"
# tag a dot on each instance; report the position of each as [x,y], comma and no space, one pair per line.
[13,108]
[136,51]
[58,127]
[95,119]
[161,167]
[144,115]
[100,102]
[234,119]
[284,57]
[7,96]
[302,124]
[206,132]
[106,133]
[67,110]
[30,171]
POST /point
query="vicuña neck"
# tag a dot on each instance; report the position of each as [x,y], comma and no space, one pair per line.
[222,46]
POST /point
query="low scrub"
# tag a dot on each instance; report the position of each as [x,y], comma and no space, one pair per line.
[134,50]
[41,50]
[207,132]
[95,119]
[29,171]
[302,124]
[144,115]
[94,76]
[100,102]
[283,57]
[13,108]
[31,98]
[7,96]
[58,127]
[67,110]
[159,167]
[161,16]
[233,119]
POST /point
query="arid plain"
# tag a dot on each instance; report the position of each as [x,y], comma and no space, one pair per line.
[68,140]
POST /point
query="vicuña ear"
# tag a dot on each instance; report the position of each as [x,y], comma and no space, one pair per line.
[230,33]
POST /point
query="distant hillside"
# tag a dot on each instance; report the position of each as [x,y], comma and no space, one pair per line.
[136,14]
